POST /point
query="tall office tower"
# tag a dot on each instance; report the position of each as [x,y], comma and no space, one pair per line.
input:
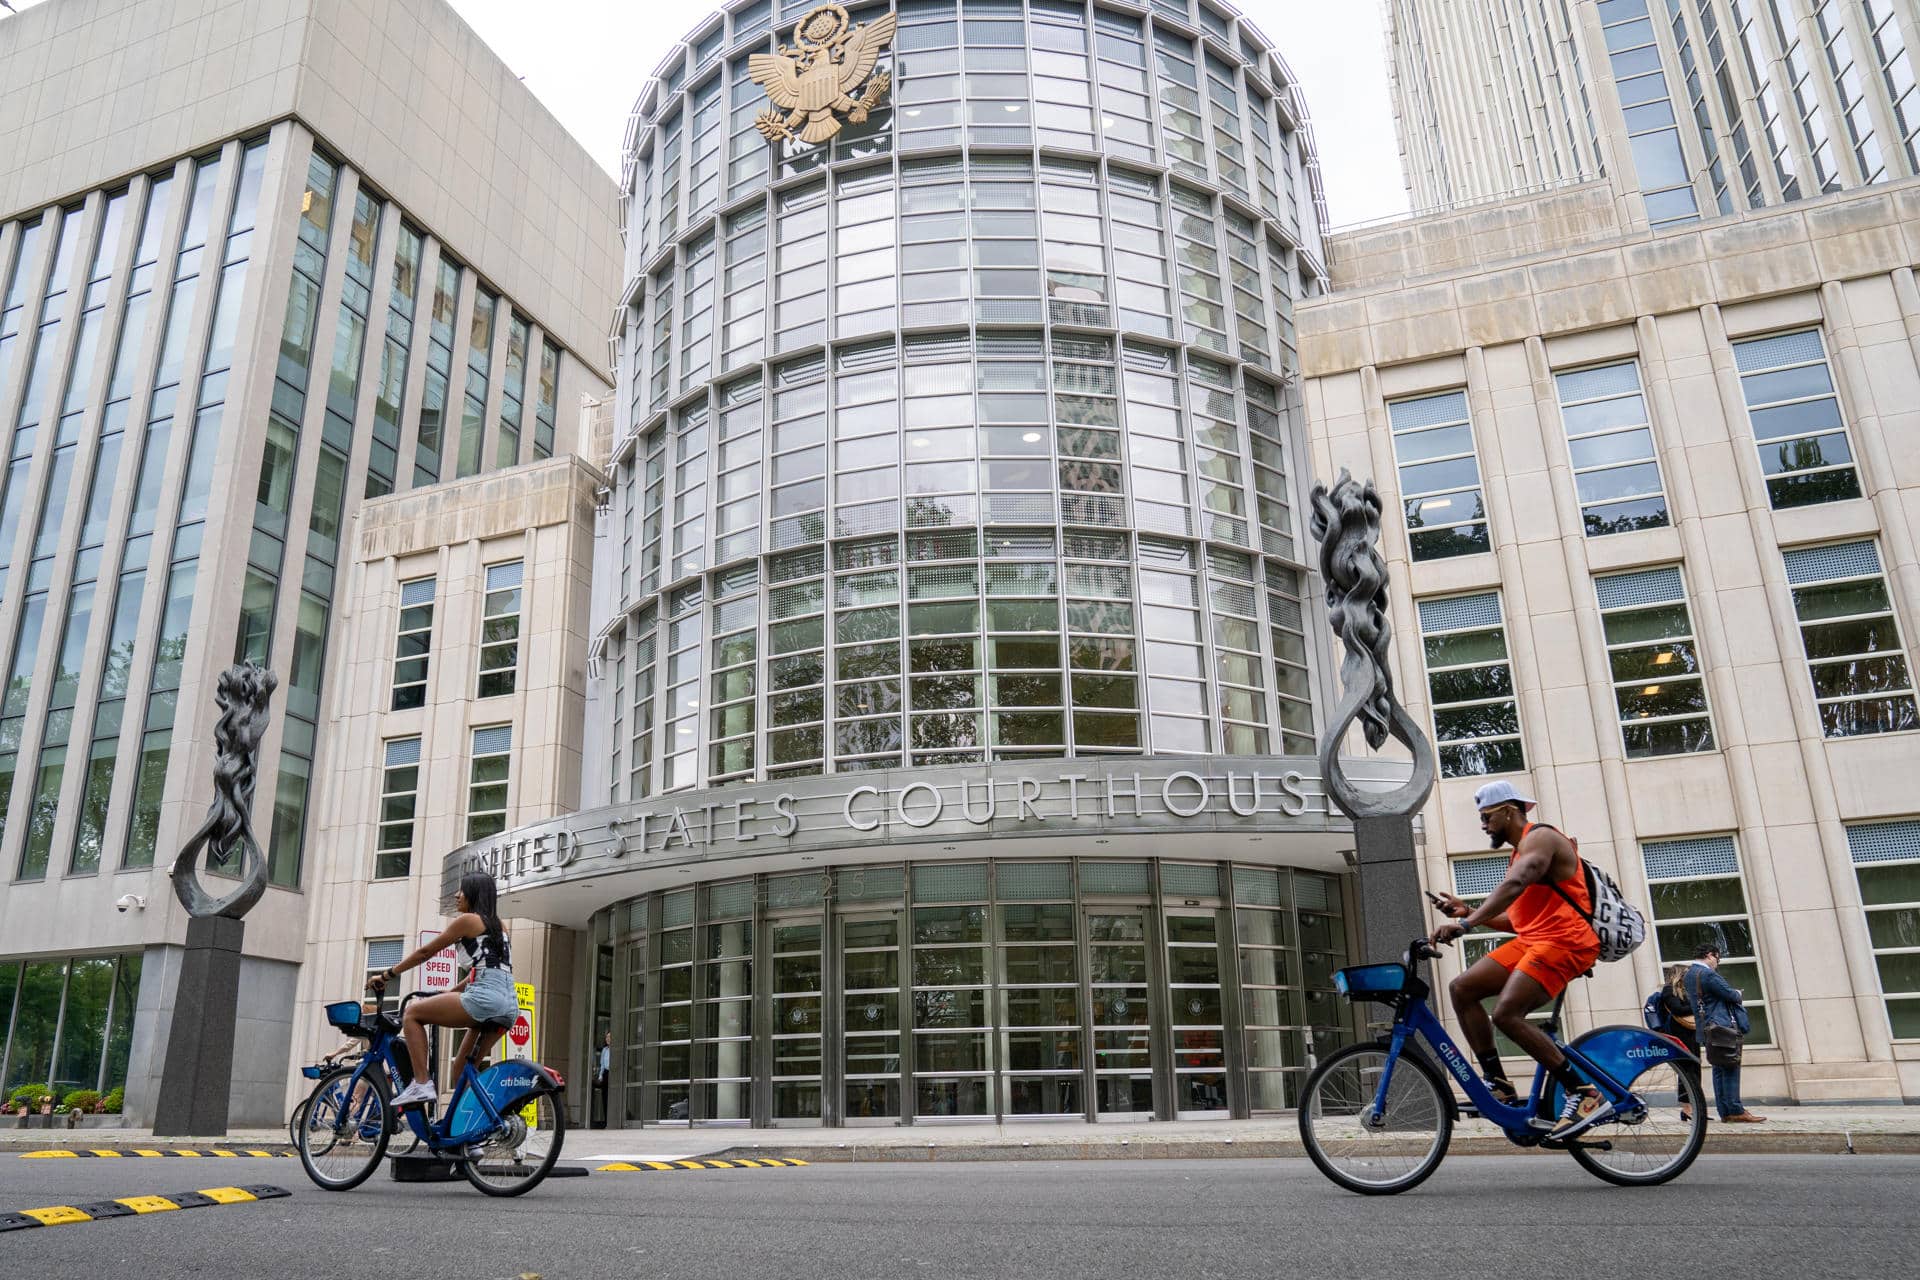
[950,752]
[258,264]
[1695,108]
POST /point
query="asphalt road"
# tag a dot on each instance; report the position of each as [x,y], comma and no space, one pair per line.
[1770,1215]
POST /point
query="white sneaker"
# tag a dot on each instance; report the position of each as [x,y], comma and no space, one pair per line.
[418,1091]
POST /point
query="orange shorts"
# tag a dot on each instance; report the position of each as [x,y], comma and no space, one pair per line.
[1548,964]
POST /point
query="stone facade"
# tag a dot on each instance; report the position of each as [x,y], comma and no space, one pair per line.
[1681,306]
[540,516]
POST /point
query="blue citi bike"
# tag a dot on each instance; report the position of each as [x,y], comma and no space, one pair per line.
[503,1126]
[1376,1117]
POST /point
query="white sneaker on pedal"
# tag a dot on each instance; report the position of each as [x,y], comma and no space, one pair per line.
[418,1091]
[1581,1112]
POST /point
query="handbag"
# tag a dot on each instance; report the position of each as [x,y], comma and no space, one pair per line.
[1722,1045]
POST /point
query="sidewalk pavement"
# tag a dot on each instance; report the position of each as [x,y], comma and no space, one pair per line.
[1884,1130]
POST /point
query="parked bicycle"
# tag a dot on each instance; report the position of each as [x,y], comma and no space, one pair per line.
[503,1126]
[1376,1118]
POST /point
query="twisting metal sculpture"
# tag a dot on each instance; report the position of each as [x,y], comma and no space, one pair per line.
[242,694]
[1346,523]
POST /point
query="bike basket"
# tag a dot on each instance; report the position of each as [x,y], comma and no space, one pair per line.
[1371,980]
[313,1073]
[344,1014]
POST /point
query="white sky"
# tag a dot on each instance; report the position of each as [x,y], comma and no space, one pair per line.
[587,59]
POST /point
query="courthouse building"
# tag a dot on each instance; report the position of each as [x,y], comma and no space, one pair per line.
[951,732]
[260,265]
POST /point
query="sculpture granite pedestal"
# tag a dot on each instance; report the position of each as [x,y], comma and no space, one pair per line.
[1346,523]
[198,1076]
[196,1081]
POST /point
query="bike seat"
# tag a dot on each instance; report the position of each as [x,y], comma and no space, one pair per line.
[495,1024]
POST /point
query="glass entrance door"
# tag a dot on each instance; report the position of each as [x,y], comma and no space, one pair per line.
[796,1019]
[1198,1014]
[1122,1018]
[633,1039]
[870,1027]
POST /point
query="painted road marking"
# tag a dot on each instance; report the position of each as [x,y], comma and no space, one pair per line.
[62,1214]
[151,1153]
[645,1166]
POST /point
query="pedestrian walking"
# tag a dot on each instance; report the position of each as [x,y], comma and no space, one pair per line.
[1720,1024]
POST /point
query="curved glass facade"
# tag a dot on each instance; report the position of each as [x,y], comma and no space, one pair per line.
[966,437]
[968,434]
[1091,989]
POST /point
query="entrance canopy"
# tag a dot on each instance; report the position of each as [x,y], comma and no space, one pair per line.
[1235,807]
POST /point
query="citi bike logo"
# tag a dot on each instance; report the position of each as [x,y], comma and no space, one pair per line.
[1650,1051]
[1455,1063]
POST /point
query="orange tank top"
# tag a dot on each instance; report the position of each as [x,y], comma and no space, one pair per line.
[1541,915]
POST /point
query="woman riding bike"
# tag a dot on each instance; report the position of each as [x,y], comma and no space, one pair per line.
[484,1008]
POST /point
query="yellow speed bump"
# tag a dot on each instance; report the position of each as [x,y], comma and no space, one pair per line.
[131,1206]
[663,1166]
[58,1215]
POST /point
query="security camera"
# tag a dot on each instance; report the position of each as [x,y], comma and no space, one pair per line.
[130,901]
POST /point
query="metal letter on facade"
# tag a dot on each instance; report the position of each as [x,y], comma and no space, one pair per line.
[242,694]
[1346,523]
[814,80]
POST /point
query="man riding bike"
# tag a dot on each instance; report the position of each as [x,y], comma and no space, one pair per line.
[1541,901]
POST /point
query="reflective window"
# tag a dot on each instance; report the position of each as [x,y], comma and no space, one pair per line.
[399,797]
[1654,661]
[1861,682]
[1697,896]
[1476,720]
[1610,443]
[413,644]
[487,781]
[1806,456]
[1886,862]
[67,1025]
[1439,476]
[500,629]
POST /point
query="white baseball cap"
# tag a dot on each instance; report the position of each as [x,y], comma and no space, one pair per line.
[1496,793]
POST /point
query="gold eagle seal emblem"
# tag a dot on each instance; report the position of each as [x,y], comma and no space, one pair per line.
[814,81]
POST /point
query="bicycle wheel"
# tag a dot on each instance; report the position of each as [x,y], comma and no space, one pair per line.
[297,1119]
[1381,1154]
[1654,1147]
[344,1131]
[519,1154]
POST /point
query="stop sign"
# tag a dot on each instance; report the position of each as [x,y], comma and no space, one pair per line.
[522,1030]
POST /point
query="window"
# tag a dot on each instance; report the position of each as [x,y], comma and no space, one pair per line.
[415,641]
[1886,860]
[1439,476]
[399,795]
[1860,679]
[1697,896]
[382,955]
[487,781]
[1804,451]
[1654,663]
[500,629]
[1611,446]
[1476,721]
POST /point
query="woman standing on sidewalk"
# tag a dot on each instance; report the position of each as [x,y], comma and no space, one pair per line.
[1717,1003]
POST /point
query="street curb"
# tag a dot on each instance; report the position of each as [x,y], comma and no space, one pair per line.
[1718,1143]
[61,1215]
